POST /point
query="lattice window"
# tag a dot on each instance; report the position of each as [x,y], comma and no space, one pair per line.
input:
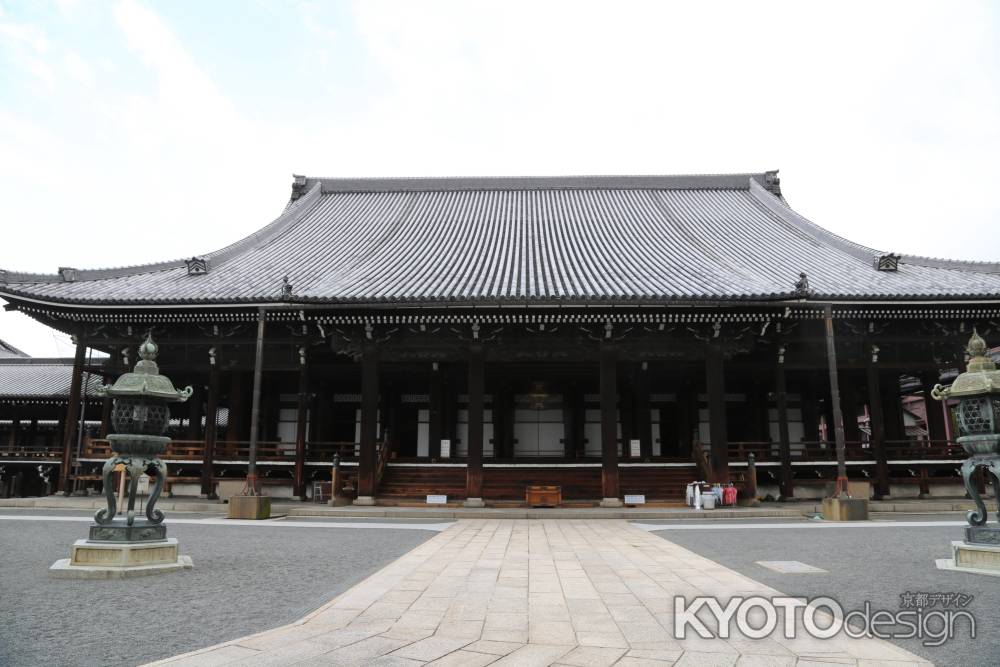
[976,415]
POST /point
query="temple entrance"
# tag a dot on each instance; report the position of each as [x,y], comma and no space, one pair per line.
[539,428]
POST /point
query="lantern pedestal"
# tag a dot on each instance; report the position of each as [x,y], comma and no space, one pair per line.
[119,560]
[973,558]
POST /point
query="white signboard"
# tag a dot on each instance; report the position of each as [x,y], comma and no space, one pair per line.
[635,500]
[446,449]
[634,448]
[437,500]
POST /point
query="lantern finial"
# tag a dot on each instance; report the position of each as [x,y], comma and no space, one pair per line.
[149,349]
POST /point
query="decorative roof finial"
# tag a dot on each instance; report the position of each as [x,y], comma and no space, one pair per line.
[802,285]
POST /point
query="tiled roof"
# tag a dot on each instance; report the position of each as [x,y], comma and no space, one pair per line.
[40,378]
[8,351]
[491,240]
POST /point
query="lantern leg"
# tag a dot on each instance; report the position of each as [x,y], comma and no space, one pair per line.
[134,471]
[106,516]
[994,470]
[976,517]
[155,515]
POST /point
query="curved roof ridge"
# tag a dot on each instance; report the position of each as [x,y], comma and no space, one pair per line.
[858,250]
[737,181]
[292,213]
[779,208]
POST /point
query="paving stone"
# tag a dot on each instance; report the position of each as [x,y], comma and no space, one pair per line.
[465,659]
[492,647]
[533,655]
[573,593]
[592,656]
[431,648]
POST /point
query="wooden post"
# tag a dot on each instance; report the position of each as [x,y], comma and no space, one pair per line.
[935,416]
[717,428]
[302,410]
[877,425]
[686,418]
[369,426]
[609,427]
[784,441]
[211,431]
[194,412]
[258,372]
[237,407]
[569,423]
[838,416]
[643,418]
[474,465]
[72,415]
[435,426]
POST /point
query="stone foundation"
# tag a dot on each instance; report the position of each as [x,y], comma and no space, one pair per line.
[117,560]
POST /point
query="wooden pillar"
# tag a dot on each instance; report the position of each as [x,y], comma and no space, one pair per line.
[237,408]
[686,417]
[626,411]
[935,416]
[367,460]
[809,409]
[784,441]
[643,419]
[717,428]
[302,410]
[838,415]
[15,426]
[877,425]
[852,431]
[194,411]
[72,416]
[474,465]
[569,422]
[435,426]
[609,427]
[211,432]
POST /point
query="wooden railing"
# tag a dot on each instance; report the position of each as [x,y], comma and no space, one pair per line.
[30,451]
[194,450]
[318,452]
[824,452]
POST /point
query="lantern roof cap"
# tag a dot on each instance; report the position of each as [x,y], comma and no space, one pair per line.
[145,380]
[981,375]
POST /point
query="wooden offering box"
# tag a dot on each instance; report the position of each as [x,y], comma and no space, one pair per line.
[543,496]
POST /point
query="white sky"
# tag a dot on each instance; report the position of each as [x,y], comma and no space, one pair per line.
[141,131]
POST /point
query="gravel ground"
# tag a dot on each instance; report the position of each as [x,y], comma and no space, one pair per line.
[245,580]
[863,564]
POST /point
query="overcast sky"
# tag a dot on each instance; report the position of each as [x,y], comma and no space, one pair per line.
[138,131]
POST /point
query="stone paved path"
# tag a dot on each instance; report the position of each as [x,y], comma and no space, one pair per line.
[504,592]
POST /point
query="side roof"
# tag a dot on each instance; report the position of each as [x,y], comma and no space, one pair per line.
[39,378]
[609,239]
